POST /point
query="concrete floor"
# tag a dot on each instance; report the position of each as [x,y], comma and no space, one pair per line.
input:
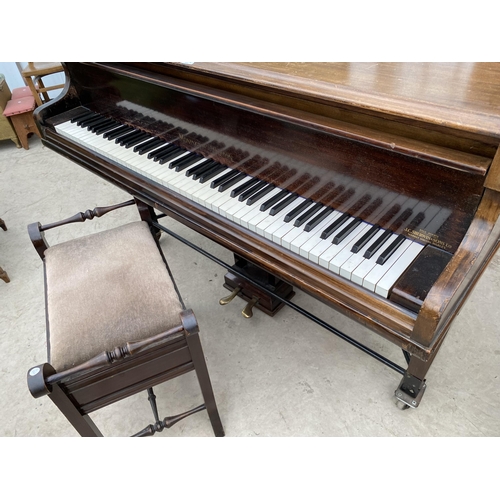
[281,376]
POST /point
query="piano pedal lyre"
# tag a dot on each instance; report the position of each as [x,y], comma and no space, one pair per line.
[256,297]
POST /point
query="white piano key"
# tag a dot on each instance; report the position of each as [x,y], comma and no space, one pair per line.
[372,278]
[367,265]
[333,250]
[244,218]
[247,212]
[339,259]
[324,244]
[356,258]
[315,235]
[385,284]
[269,225]
[309,240]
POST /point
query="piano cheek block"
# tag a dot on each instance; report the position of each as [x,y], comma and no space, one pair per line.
[412,288]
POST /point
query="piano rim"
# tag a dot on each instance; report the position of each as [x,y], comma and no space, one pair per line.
[395,323]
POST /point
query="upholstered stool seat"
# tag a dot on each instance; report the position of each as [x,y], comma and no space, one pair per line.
[116,323]
[21,92]
[106,289]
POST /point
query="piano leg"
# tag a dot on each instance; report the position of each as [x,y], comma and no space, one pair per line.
[412,386]
[148,214]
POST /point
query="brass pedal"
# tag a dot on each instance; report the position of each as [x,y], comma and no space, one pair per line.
[248,311]
[229,298]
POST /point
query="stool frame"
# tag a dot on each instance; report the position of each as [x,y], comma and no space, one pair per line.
[128,369]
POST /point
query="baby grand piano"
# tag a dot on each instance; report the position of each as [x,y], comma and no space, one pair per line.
[373,187]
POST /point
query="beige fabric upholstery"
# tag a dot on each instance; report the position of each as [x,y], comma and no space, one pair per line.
[106,289]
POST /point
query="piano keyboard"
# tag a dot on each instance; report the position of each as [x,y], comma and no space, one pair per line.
[364,253]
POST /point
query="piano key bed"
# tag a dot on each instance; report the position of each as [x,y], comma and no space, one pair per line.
[336,239]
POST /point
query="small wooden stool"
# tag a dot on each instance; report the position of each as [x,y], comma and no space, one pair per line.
[20,112]
[21,92]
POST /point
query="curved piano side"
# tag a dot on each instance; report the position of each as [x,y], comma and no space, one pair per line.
[458,279]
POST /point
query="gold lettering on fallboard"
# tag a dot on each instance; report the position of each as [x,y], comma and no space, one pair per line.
[425,237]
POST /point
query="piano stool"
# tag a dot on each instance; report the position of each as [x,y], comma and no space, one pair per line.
[20,112]
[6,129]
[116,323]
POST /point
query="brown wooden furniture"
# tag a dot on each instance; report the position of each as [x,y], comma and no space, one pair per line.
[33,74]
[116,324]
[6,129]
[408,150]
[20,112]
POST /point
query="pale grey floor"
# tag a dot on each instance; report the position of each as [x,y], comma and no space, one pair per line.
[281,376]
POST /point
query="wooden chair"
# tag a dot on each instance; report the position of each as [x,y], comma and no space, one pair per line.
[33,73]
[116,324]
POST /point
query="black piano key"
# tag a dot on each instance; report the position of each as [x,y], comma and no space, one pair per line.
[104,130]
[124,135]
[307,215]
[259,194]
[86,122]
[297,210]
[365,239]
[334,226]
[125,139]
[276,209]
[377,244]
[83,114]
[319,218]
[185,161]
[223,178]
[347,230]
[148,146]
[386,254]
[99,129]
[275,199]
[157,153]
[240,189]
[252,190]
[102,120]
[81,121]
[139,139]
[390,249]
[207,167]
[212,173]
[170,156]
[115,132]
[232,181]
[196,168]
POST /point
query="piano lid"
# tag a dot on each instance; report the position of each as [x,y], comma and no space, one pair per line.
[460,96]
